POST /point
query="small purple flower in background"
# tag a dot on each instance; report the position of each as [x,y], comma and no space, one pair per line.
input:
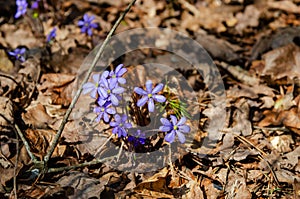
[138,138]
[104,112]
[109,91]
[150,95]
[87,25]
[22,8]
[35,4]
[117,74]
[93,88]
[51,35]
[18,53]
[175,128]
[120,125]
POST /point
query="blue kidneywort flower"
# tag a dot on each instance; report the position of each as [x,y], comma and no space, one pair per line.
[150,95]
[87,25]
[120,125]
[104,112]
[22,8]
[35,4]
[18,53]
[174,128]
[138,138]
[51,35]
[93,87]
[110,91]
[117,74]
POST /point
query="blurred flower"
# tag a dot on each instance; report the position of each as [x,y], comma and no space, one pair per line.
[51,35]
[22,8]
[104,111]
[120,125]
[117,74]
[35,4]
[93,88]
[138,138]
[87,25]
[174,128]
[18,53]
[149,95]
[109,91]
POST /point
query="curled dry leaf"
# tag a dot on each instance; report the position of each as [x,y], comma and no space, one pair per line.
[250,18]
[37,117]
[7,112]
[40,140]
[283,62]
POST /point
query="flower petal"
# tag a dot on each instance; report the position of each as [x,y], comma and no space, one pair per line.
[181,137]
[158,88]
[140,91]
[105,117]
[121,72]
[159,98]
[165,122]
[118,68]
[184,128]
[114,100]
[118,118]
[96,78]
[170,137]
[149,86]
[165,128]
[111,110]
[113,124]
[127,125]
[142,102]
[103,93]
[151,105]
[181,121]
[173,119]
[122,80]
[115,130]
[118,90]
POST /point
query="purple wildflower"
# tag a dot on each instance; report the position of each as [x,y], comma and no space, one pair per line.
[104,111]
[51,35]
[109,91]
[150,95]
[18,53]
[120,125]
[93,88]
[137,139]
[35,4]
[174,128]
[117,74]
[22,8]
[87,25]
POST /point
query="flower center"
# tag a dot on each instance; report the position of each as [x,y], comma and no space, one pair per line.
[120,125]
[86,24]
[149,95]
[102,109]
[108,91]
[175,127]
[97,84]
[114,76]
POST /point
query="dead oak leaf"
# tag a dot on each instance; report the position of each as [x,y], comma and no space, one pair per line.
[283,62]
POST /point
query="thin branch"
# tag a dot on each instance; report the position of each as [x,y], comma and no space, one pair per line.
[26,144]
[98,55]
[60,169]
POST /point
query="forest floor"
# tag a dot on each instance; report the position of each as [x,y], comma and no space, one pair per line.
[240,97]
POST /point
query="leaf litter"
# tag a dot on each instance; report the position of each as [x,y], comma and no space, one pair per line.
[255,46]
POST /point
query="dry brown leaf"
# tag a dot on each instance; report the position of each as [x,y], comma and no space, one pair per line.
[7,112]
[282,143]
[250,18]
[155,186]
[241,118]
[37,117]
[284,5]
[40,140]
[283,62]
[5,64]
